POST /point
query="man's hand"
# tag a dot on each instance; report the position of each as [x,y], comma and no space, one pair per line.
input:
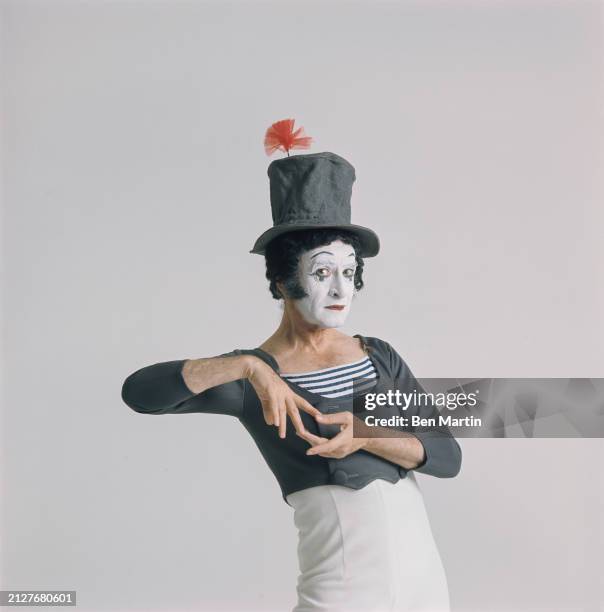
[340,445]
[277,399]
[401,448]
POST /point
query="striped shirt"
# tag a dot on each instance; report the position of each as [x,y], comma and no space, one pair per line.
[337,381]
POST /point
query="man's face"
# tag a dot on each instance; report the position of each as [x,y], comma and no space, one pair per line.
[327,276]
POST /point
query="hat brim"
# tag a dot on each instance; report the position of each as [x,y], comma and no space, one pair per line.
[370,243]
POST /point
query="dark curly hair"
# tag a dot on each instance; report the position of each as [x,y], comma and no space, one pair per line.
[283,254]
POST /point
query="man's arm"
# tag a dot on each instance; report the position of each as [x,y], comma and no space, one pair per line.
[201,374]
[213,385]
[404,449]
[442,453]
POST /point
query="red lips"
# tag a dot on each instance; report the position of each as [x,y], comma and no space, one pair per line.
[335,307]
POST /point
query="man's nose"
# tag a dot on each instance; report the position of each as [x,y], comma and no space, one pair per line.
[337,285]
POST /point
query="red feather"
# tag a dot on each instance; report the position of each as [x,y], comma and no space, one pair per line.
[281,135]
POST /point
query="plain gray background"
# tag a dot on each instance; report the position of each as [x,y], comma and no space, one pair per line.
[134,185]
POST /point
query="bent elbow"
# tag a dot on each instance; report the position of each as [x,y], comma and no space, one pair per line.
[443,455]
[128,396]
[131,397]
[454,465]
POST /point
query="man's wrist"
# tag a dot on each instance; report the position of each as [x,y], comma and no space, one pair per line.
[368,444]
[412,449]
[249,365]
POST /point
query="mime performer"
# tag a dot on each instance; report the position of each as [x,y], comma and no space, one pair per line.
[365,542]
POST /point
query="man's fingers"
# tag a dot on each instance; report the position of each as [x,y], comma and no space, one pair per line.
[282,421]
[268,415]
[327,447]
[276,412]
[295,416]
[335,417]
[309,437]
[307,406]
[273,409]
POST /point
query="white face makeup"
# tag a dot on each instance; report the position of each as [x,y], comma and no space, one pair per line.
[327,276]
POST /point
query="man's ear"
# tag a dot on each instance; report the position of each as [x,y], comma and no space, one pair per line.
[281,289]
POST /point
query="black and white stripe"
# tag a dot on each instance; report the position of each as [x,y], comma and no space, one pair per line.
[337,381]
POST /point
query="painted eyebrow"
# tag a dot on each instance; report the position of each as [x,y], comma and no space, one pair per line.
[329,253]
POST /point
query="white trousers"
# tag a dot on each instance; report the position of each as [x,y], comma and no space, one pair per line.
[370,549]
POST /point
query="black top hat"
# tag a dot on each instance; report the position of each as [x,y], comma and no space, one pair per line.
[313,191]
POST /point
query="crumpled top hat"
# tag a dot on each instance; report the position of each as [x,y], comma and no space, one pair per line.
[309,191]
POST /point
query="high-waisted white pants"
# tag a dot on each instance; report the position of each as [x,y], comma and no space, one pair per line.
[370,549]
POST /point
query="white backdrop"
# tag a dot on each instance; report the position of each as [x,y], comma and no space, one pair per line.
[134,185]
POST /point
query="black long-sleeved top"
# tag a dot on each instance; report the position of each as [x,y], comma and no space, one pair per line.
[160,389]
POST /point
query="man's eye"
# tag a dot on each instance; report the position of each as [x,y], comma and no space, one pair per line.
[322,273]
[349,273]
